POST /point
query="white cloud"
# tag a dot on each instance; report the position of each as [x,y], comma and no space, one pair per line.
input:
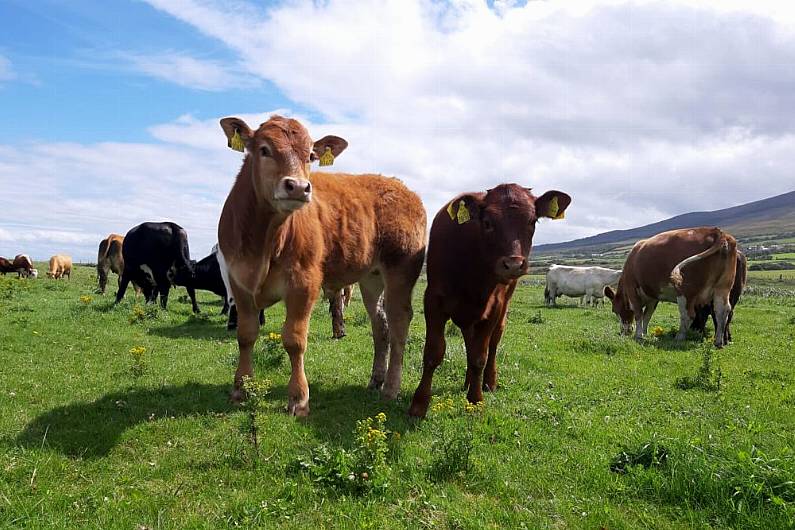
[184,70]
[639,110]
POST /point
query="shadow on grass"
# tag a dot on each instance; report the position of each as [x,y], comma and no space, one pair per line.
[91,430]
[194,328]
[335,409]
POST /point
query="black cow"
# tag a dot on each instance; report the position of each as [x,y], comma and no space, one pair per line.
[206,276]
[154,253]
[703,312]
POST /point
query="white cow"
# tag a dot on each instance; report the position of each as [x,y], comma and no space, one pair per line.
[578,282]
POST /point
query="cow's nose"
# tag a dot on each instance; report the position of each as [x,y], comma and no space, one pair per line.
[514,264]
[296,188]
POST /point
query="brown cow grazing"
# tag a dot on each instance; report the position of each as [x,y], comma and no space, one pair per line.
[6,266]
[479,247]
[284,233]
[24,266]
[704,312]
[690,266]
[109,259]
[60,266]
[338,302]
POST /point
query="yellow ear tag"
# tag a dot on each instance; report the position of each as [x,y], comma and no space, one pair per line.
[463,213]
[451,211]
[236,142]
[554,209]
[327,158]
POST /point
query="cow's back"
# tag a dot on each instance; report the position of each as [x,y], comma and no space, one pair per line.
[158,244]
[651,261]
[360,220]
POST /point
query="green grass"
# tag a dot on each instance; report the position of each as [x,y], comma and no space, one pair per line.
[92,436]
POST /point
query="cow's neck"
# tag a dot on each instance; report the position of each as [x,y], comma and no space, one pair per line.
[258,231]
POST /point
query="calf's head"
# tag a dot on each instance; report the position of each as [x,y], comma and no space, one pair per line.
[505,218]
[280,152]
[621,307]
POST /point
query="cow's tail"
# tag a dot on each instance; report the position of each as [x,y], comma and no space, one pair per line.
[721,244]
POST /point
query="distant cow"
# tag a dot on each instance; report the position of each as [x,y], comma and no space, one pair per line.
[109,259]
[690,266]
[60,267]
[205,275]
[285,233]
[704,312]
[154,253]
[23,265]
[589,282]
[479,247]
[6,266]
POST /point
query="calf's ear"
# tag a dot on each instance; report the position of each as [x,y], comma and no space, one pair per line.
[464,208]
[327,149]
[237,132]
[609,292]
[552,204]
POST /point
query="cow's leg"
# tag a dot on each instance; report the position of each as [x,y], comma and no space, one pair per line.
[231,321]
[490,372]
[336,306]
[728,335]
[247,331]
[648,311]
[684,318]
[225,309]
[553,296]
[476,339]
[162,286]
[298,304]
[722,310]
[397,303]
[433,354]
[372,286]
[192,295]
[102,275]
[124,280]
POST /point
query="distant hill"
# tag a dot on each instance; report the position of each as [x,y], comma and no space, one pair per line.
[769,217]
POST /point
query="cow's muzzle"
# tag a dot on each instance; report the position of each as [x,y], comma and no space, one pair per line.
[292,193]
[511,267]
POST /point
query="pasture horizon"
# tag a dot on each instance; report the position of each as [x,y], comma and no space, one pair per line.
[110,113]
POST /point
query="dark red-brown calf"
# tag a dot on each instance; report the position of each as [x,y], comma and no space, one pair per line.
[479,247]
[6,266]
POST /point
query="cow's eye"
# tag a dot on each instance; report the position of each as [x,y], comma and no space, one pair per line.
[265,151]
[487,225]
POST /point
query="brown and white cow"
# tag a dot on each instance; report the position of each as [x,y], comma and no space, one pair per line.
[285,232]
[60,267]
[691,267]
[109,259]
[479,247]
[23,265]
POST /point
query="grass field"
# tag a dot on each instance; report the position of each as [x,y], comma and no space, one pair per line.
[587,430]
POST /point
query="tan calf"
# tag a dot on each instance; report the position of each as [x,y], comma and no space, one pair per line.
[285,232]
[60,266]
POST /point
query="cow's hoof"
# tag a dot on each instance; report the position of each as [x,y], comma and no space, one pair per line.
[389,393]
[296,408]
[237,396]
[375,384]
[419,407]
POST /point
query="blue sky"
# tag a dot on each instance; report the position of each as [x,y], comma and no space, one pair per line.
[639,110]
[72,85]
